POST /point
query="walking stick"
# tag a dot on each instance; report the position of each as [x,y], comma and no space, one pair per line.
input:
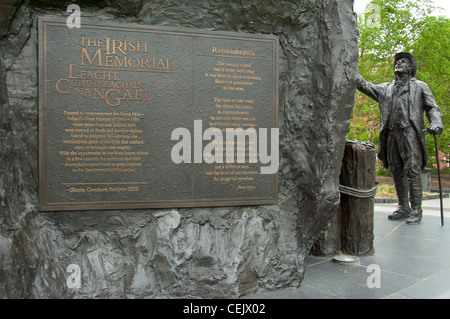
[439,175]
[439,178]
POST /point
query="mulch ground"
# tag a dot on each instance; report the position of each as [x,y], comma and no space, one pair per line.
[445,179]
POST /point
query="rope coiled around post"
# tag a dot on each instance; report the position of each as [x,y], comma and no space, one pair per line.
[359,193]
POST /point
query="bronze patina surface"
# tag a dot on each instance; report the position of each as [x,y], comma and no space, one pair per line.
[112,96]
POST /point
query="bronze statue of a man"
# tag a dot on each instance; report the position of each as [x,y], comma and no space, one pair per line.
[402,147]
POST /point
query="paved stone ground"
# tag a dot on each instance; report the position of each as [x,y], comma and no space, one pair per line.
[413,261]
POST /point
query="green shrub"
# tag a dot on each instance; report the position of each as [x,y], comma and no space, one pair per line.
[383,172]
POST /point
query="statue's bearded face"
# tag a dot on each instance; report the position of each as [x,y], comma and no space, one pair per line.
[403,65]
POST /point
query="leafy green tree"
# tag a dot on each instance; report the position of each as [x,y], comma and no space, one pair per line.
[390,26]
[432,52]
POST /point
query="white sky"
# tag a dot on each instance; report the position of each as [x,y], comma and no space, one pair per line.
[361,4]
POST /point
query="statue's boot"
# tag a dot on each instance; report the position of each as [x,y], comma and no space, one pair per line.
[416,201]
[403,210]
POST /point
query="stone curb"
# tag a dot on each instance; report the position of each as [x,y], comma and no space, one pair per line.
[425,197]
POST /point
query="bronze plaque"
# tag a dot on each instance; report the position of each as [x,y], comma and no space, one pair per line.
[133,116]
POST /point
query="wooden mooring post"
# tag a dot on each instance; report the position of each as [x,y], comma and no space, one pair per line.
[350,231]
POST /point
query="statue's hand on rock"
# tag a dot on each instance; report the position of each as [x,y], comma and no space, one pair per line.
[353,75]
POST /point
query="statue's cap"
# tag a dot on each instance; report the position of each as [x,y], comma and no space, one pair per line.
[410,57]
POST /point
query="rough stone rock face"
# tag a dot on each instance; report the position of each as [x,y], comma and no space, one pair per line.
[199,252]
